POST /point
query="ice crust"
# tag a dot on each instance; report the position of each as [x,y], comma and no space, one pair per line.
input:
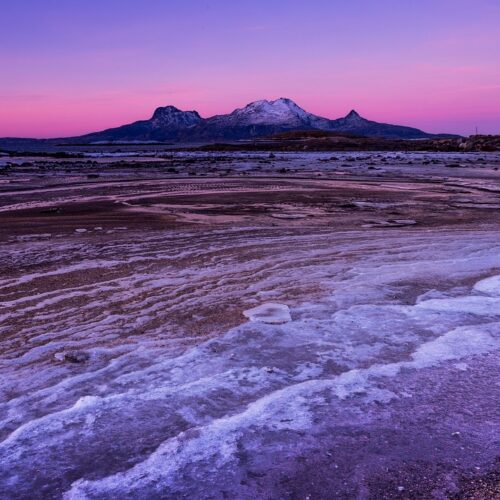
[489,286]
[158,418]
[468,304]
[270,312]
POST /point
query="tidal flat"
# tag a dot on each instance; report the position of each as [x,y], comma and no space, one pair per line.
[129,370]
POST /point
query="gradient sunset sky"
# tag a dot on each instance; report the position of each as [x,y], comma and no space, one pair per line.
[73,66]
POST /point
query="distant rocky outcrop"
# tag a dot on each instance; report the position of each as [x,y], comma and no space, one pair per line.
[320,140]
[480,143]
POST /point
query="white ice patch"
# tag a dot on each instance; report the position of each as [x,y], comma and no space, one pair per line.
[457,344]
[86,401]
[489,286]
[270,312]
[471,304]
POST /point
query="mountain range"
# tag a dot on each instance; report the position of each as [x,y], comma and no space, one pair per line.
[257,119]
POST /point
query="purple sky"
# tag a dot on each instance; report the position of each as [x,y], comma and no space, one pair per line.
[74,66]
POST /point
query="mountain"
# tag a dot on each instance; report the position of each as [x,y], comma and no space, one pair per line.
[353,123]
[167,123]
[257,119]
[281,112]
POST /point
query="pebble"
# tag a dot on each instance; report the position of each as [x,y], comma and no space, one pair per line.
[72,356]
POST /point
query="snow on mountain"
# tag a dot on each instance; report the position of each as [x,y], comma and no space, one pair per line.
[257,119]
[280,112]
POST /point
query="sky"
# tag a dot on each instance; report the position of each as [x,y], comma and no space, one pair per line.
[68,67]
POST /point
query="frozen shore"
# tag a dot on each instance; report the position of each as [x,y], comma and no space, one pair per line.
[129,369]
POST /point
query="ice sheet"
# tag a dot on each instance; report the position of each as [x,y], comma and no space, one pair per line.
[152,406]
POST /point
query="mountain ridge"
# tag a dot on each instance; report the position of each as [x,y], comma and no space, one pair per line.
[256,119]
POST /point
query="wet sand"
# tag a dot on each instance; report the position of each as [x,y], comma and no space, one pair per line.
[128,369]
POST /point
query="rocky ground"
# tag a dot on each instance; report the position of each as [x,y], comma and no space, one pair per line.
[129,369]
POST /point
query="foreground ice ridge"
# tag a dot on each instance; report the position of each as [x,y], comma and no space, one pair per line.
[152,423]
[287,408]
[287,397]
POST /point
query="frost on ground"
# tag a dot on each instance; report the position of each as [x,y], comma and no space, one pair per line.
[243,411]
[257,357]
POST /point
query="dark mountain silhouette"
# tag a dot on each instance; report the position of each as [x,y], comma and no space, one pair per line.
[257,119]
[167,123]
[353,123]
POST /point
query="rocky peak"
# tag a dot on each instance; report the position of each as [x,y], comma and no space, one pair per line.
[280,111]
[170,116]
[281,104]
[165,110]
[259,118]
[352,115]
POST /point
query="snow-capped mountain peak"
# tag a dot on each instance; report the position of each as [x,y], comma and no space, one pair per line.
[282,111]
[257,119]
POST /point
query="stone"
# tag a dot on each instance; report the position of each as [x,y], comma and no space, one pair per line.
[72,356]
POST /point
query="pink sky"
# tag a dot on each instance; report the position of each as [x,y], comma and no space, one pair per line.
[72,69]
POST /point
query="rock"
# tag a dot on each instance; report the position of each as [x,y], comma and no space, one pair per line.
[51,210]
[72,356]
[270,312]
